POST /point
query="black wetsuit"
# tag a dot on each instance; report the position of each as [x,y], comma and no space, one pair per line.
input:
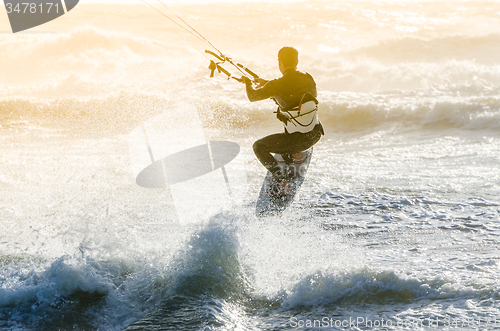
[287,92]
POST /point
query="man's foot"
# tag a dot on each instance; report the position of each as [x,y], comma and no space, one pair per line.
[299,157]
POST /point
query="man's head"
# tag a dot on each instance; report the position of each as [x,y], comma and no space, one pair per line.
[288,57]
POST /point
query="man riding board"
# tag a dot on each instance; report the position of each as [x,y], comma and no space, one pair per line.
[295,94]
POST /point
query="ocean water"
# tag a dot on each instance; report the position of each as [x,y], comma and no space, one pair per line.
[396,226]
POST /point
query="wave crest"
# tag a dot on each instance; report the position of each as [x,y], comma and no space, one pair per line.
[368,286]
[363,114]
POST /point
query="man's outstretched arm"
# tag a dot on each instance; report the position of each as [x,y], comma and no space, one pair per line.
[258,94]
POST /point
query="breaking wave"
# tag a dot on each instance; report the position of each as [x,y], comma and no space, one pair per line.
[94,73]
[205,284]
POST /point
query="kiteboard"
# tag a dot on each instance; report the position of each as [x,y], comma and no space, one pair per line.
[276,195]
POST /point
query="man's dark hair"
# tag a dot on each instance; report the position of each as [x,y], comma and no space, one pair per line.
[288,56]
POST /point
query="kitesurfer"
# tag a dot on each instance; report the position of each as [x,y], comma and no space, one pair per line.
[295,94]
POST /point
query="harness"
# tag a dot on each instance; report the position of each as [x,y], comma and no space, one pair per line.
[302,118]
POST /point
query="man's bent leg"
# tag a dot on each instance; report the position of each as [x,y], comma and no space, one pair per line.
[275,143]
[281,143]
